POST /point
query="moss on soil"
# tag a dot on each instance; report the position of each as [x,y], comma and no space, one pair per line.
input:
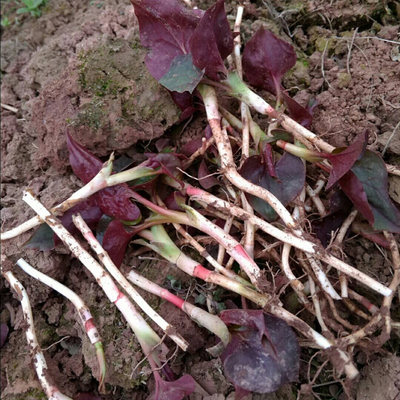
[115,78]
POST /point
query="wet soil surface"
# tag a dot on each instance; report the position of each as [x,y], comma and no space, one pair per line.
[79,66]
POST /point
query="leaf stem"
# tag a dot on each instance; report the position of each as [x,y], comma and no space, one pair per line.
[119,277]
[211,322]
[102,180]
[146,336]
[307,246]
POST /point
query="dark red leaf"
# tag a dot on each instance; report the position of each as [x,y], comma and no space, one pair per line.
[339,208]
[367,186]
[180,38]
[266,58]
[212,41]
[185,102]
[167,162]
[344,160]
[290,172]
[354,190]
[165,29]
[84,164]
[114,201]
[3,334]
[115,241]
[89,211]
[263,353]
[296,111]
[170,202]
[206,180]
[175,390]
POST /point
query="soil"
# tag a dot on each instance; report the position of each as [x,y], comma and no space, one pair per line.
[80,67]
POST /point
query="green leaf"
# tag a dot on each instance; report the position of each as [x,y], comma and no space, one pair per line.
[183,75]
[371,172]
[278,134]
[22,10]
[42,239]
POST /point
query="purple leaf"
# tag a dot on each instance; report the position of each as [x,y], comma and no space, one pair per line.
[89,211]
[114,201]
[354,190]
[290,172]
[172,33]
[296,111]
[84,164]
[115,241]
[263,353]
[212,41]
[343,161]
[185,102]
[339,208]
[3,333]
[175,390]
[206,180]
[167,162]
[165,29]
[367,187]
[170,202]
[266,59]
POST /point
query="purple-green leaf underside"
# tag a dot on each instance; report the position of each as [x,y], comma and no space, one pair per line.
[182,76]
[371,172]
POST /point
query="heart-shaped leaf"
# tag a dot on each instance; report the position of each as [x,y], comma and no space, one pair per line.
[290,172]
[165,29]
[266,59]
[172,33]
[366,184]
[263,353]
